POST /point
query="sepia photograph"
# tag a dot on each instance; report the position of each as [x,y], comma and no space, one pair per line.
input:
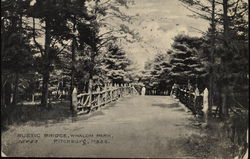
[125,79]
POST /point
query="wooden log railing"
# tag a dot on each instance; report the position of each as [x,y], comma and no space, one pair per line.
[192,100]
[195,101]
[87,102]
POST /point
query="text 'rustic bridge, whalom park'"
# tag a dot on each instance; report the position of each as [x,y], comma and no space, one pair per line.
[118,121]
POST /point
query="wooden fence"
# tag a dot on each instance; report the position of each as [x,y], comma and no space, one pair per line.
[195,101]
[192,100]
[87,102]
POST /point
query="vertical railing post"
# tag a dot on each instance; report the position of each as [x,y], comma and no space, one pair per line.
[122,89]
[127,88]
[108,91]
[105,94]
[196,104]
[33,97]
[246,154]
[119,91]
[205,105]
[74,99]
[98,96]
[90,92]
[116,91]
[112,92]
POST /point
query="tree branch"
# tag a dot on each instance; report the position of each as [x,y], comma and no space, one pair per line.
[204,33]
[34,38]
[105,2]
[236,9]
[202,16]
[63,48]
[104,34]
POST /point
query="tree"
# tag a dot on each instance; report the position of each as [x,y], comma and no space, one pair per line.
[16,53]
[99,31]
[229,31]
[156,73]
[55,17]
[186,65]
[231,38]
[116,64]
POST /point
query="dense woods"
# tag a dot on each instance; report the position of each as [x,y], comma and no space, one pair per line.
[48,47]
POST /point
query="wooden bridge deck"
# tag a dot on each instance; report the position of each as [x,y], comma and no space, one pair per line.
[137,126]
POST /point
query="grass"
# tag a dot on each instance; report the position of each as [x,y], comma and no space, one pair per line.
[34,114]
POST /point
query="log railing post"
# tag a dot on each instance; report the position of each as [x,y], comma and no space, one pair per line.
[74,99]
[33,98]
[90,92]
[196,104]
[246,154]
[205,105]
[127,89]
[105,94]
[119,91]
[98,96]
[112,93]
[123,90]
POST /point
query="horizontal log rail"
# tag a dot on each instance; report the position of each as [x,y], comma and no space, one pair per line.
[90,101]
[195,102]
[192,100]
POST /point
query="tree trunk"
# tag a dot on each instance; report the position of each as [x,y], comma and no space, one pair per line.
[46,61]
[2,95]
[225,20]
[15,97]
[90,90]
[72,71]
[2,52]
[211,77]
[45,92]
[73,58]
[7,90]
[226,35]
[224,107]
[91,71]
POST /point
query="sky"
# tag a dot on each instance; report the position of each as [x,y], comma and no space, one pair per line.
[157,22]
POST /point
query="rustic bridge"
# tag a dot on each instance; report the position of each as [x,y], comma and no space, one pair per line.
[133,126]
[87,102]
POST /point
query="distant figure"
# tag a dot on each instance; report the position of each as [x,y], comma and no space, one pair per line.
[143,91]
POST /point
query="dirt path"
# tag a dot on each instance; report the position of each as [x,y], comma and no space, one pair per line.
[141,126]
